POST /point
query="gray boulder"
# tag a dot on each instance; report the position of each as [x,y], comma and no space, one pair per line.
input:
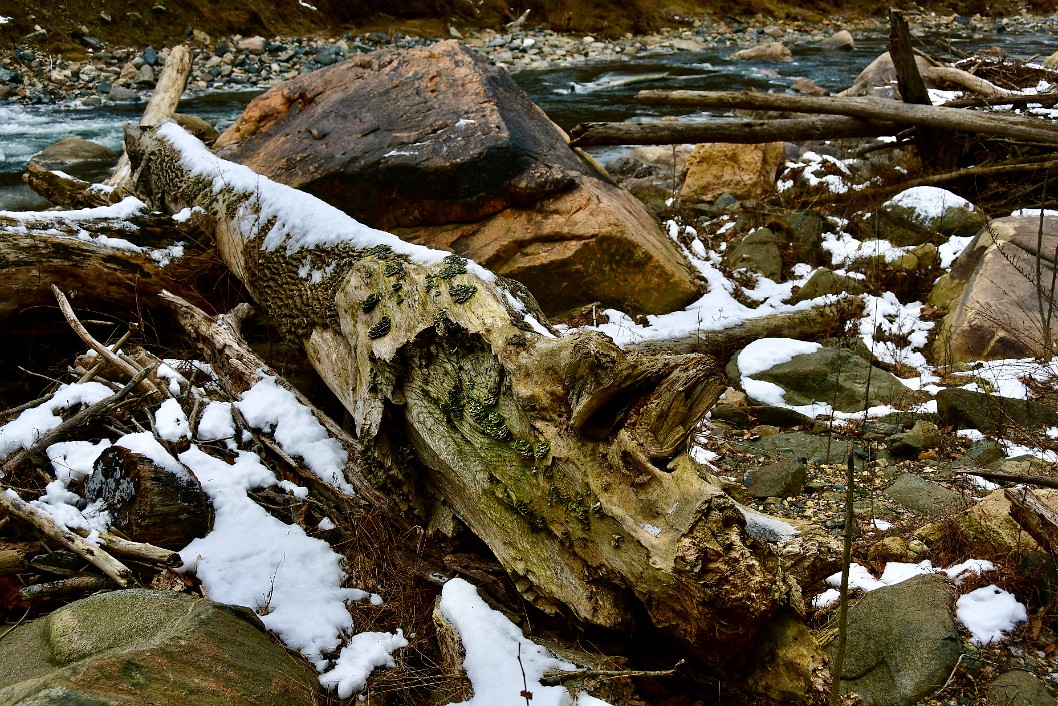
[923,214]
[782,479]
[824,281]
[758,252]
[157,647]
[902,642]
[832,376]
[909,444]
[71,152]
[991,414]
[444,149]
[925,496]
[1019,688]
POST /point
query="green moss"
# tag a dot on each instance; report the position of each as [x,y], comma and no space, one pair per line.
[382,252]
[541,449]
[524,448]
[395,268]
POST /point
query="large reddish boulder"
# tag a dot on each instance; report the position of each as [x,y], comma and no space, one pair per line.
[441,147]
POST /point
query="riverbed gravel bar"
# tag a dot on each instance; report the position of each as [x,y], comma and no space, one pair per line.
[125,74]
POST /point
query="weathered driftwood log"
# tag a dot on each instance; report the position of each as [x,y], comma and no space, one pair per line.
[1040,521]
[728,131]
[80,251]
[162,105]
[18,508]
[558,452]
[65,190]
[1028,478]
[12,561]
[64,588]
[810,325]
[1014,127]
[965,79]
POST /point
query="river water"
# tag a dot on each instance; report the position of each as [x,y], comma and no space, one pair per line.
[590,91]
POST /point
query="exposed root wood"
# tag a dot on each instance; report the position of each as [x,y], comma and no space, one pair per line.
[562,454]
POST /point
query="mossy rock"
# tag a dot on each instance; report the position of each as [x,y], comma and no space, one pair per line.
[159,647]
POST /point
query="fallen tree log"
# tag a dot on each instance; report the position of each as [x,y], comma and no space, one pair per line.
[94,253]
[564,455]
[67,191]
[728,131]
[1014,127]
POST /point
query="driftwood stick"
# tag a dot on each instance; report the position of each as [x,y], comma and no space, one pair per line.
[728,131]
[65,190]
[140,551]
[1040,521]
[908,79]
[121,362]
[1027,478]
[162,105]
[955,175]
[867,108]
[220,337]
[1049,98]
[43,522]
[967,80]
[811,324]
[556,678]
[74,422]
[65,587]
[12,561]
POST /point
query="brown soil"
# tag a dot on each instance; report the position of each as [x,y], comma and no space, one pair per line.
[140,22]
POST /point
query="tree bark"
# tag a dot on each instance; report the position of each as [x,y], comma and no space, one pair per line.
[66,191]
[562,454]
[1025,129]
[38,250]
[729,131]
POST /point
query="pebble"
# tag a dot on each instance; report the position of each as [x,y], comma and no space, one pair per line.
[240,62]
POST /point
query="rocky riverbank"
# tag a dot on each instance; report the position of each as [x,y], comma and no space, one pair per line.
[112,73]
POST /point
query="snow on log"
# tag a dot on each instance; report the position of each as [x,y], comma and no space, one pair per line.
[563,454]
